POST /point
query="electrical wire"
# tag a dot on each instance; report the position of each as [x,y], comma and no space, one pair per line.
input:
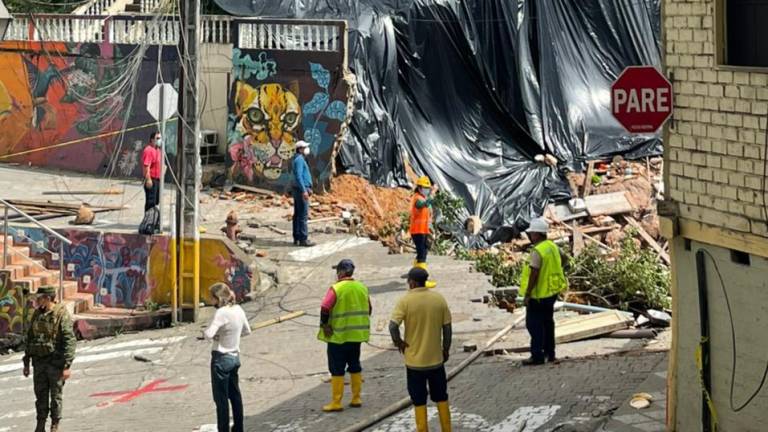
[734,349]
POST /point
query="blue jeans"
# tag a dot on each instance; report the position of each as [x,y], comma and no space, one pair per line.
[344,357]
[300,216]
[540,321]
[226,390]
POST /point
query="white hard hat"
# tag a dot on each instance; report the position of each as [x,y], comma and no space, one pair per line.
[302,143]
[538,225]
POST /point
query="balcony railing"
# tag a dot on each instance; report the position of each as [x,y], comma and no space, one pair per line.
[290,35]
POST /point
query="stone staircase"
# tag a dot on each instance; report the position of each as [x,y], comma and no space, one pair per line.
[31,273]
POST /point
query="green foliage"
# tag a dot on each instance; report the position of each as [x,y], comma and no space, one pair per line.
[634,280]
[503,272]
[45,6]
[448,207]
[151,306]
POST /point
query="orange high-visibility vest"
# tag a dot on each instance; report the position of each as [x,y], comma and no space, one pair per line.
[419,216]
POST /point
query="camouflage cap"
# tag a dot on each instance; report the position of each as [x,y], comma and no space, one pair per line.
[46,290]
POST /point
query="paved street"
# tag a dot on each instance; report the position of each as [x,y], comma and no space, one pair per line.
[159,380]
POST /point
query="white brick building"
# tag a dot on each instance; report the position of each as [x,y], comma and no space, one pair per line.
[717,59]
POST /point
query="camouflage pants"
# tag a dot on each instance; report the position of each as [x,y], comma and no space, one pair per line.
[49,387]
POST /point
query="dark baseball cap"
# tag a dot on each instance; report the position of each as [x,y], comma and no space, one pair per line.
[46,290]
[345,265]
[418,275]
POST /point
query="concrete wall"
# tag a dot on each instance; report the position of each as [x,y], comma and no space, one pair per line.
[747,291]
[291,96]
[715,196]
[124,270]
[216,77]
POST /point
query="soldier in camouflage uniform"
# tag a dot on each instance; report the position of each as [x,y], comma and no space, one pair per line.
[51,349]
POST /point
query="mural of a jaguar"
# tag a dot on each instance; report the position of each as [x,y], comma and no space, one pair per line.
[267,117]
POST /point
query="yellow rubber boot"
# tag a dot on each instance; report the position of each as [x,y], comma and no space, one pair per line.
[337,392]
[429,283]
[421,418]
[356,382]
[445,416]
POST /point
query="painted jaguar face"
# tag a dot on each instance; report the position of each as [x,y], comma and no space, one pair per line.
[268,116]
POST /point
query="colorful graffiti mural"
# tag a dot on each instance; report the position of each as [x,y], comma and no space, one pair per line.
[61,104]
[277,99]
[125,270]
[11,306]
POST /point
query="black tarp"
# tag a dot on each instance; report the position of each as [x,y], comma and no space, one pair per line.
[472,90]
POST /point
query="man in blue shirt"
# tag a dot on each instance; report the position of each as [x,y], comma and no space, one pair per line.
[302,189]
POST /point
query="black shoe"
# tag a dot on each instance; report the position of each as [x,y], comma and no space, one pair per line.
[553,360]
[306,243]
[295,242]
[532,362]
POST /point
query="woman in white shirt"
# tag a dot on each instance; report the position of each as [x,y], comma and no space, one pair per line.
[228,324]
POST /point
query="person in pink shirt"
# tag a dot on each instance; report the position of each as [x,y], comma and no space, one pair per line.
[151,161]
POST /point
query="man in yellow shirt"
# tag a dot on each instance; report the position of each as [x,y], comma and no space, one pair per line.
[426,346]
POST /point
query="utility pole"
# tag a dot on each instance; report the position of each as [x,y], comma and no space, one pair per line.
[189,128]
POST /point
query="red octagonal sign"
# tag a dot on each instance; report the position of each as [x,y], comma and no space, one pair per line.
[641,99]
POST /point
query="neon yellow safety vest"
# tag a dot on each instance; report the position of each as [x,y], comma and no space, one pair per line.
[349,317]
[551,279]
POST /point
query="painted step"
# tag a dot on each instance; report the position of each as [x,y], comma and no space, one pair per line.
[28,267]
[70,289]
[30,283]
[83,301]
[8,239]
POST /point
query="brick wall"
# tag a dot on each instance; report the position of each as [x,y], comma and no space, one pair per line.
[716,145]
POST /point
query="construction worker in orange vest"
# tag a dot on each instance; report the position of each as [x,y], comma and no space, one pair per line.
[421,218]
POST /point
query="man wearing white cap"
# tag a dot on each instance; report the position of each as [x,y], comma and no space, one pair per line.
[302,189]
[542,280]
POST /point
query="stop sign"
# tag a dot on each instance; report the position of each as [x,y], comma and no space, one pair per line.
[641,99]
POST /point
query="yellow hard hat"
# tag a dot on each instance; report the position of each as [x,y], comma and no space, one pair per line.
[423,181]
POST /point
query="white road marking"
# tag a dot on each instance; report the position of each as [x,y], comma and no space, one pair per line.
[110,351]
[324,249]
[92,358]
[524,419]
[131,344]
[17,414]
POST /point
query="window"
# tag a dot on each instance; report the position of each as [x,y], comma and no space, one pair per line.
[743,32]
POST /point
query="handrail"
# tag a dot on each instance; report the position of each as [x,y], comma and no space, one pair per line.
[62,241]
[35,221]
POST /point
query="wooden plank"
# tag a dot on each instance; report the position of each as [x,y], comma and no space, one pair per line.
[588,179]
[589,238]
[587,326]
[325,219]
[578,240]
[648,239]
[253,189]
[563,213]
[608,204]
[85,192]
[290,316]
[58,205]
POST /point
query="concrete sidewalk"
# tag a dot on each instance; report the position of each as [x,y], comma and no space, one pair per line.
[651,419]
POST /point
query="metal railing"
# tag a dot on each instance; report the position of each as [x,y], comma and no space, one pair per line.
[62,240]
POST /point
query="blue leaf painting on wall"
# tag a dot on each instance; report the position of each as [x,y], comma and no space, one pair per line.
[337,110]
[317,104]
[320,74]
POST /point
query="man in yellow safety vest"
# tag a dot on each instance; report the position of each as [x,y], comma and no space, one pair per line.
[344,325]
[542,280]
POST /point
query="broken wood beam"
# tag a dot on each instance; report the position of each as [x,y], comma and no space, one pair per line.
[588,179]
[253,189]
[325,219]
[648,239]
[85,192]
[288,317]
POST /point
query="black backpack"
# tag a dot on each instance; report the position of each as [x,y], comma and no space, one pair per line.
[151,222]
